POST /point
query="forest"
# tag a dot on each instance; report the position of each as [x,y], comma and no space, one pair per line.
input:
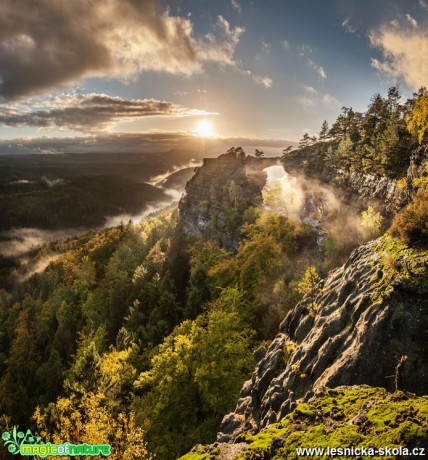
[136,327]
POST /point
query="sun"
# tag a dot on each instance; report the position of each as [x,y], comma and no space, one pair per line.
[204,128]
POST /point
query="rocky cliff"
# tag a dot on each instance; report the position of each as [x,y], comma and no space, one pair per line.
[369,187]
[366,323]
[385,193]
[218,195]
[208,209]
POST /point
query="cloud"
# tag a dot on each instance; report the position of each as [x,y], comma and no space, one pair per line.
[403,51]
[311,90]
[54,43]
[321,72]
[265,47]
[285,44]
[423,5]
[235,5]
[319,69]
[87,112]
[221,50]
[314,99]
[330,101]
[412,21]
[307,101]
[265,81]
[348,26]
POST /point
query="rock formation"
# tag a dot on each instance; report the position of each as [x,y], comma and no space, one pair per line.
[202,208]
[355,328]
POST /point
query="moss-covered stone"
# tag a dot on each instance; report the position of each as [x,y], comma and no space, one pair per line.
[342,417]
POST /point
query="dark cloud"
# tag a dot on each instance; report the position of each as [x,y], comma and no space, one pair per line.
[90,111]
[45,44]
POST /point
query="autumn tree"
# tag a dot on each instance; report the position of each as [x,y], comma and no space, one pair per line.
[371,224]
[417,119]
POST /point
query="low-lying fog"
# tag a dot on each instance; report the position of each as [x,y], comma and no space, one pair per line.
[17,243]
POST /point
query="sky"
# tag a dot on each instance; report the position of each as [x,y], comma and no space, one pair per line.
[148,74]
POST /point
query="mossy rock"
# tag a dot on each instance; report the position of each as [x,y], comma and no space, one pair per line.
[342,417]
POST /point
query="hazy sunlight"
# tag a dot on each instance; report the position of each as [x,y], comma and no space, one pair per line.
[204,128]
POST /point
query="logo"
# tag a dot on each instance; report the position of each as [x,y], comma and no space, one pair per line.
[29,445]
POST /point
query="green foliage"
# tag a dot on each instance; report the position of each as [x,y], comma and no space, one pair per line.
[126,277]
[95,410]
[264,268]
[377,141]
[196,377]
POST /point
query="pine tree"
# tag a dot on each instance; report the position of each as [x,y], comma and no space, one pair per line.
[324,133]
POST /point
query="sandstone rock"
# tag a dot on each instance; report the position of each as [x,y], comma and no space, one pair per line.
[368,314]
[204,217]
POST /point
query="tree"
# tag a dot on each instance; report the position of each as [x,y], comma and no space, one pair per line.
[258,153]
[240,152]
[286,152]
[196,377]
[345,151]
[371,223]
[389,147]
[417,120]
[309,281]
[96,413]
[198,291]
[235,192]
[305,141]
[324,133]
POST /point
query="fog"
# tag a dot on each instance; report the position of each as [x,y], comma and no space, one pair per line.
[160,179]
[17,243]
[29,267]
[312,202]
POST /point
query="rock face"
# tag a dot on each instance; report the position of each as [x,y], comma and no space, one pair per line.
[369,186]
[203,209]
[381,191]
[366,323]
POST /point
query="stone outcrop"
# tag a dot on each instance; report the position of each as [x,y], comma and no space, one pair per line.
[381,191]
[352,417]
[366,323]
[202,209]
[385,190]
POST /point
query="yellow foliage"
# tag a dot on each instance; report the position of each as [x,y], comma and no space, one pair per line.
[417,120]
[88,420]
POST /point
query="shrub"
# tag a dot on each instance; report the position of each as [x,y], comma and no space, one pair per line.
[411,224]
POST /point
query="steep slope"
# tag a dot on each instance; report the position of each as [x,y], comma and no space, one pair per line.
[367,323]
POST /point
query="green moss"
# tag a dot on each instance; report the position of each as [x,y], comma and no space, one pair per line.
[195,456]
[200,454]
[359,417]
[304,410]
[399,262]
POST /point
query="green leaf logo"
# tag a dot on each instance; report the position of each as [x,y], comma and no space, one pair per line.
[14,440]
